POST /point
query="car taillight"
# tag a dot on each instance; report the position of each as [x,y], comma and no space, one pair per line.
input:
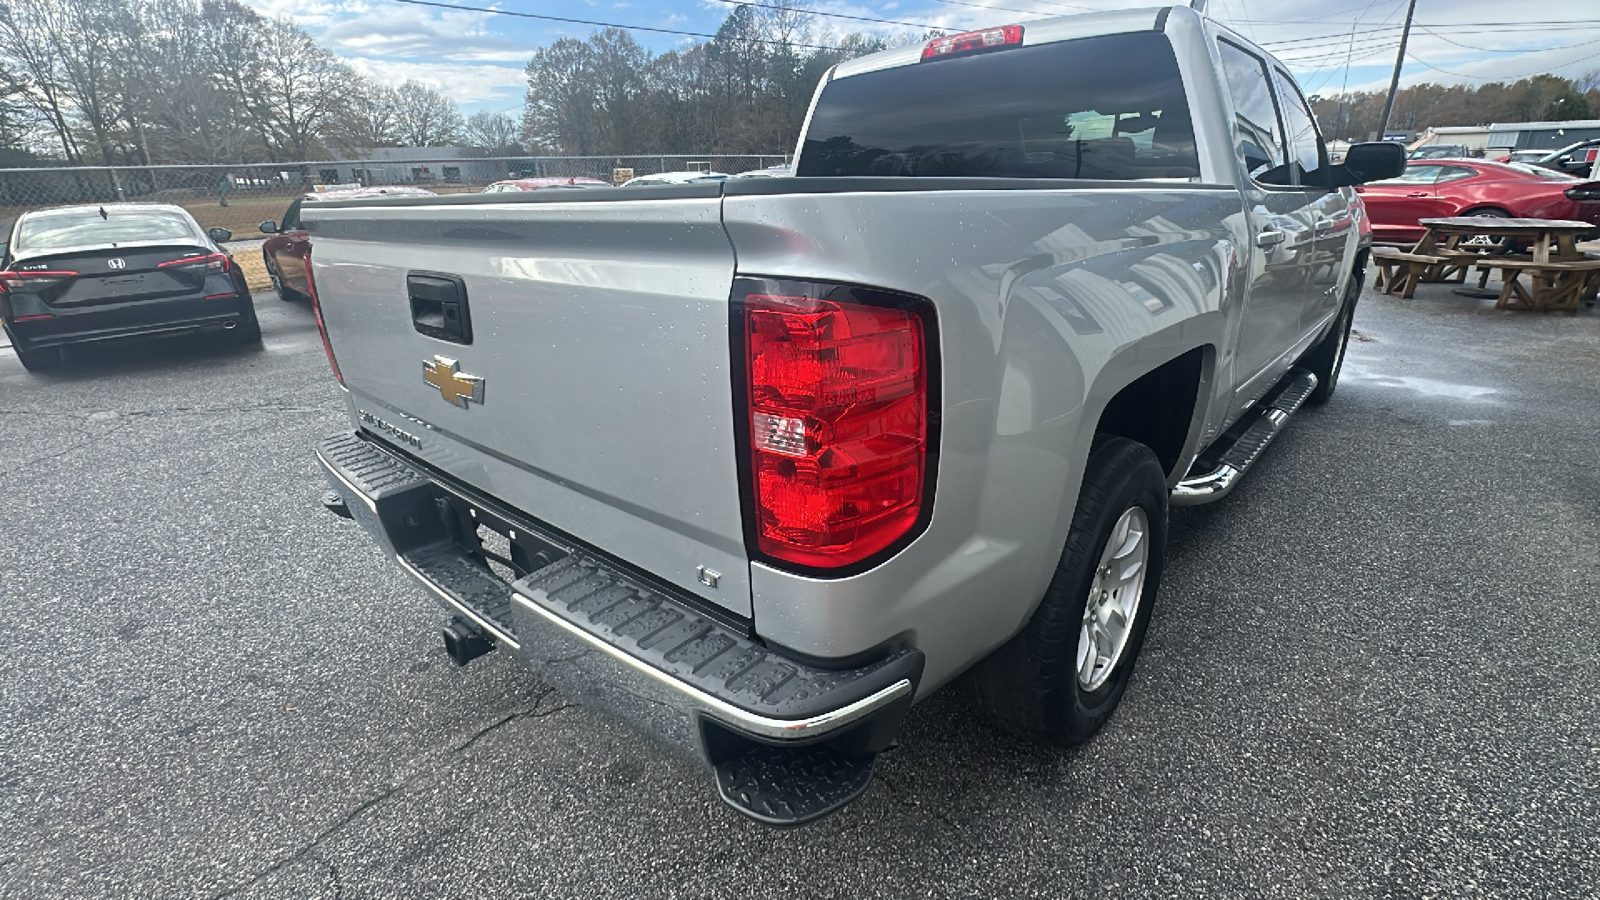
[966,42]
[12,282]
[839,414]
[316,313]
[1584,192]
[211,263]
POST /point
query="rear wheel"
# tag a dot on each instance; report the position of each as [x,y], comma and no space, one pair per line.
[1059,680]
[285,293]
[248,331]
[1490,244]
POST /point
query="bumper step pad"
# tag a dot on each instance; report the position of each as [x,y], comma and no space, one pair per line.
[698,650]
[792,785]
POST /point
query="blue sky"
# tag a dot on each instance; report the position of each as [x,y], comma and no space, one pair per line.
[477,58]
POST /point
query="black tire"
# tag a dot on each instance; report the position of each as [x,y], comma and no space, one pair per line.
[35,359]
[286,294]
[1326,359]
[248,331]
[1490,245]
[1031,684]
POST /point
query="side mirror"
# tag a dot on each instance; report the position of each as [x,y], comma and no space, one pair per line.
[219,235]
[1374,161]
[268,227]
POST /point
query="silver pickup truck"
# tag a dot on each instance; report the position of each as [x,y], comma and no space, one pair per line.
[756,465]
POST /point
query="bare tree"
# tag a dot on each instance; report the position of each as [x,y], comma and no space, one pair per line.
[369,119]
[298,88]
[494,132]
[423,117]
[26,28]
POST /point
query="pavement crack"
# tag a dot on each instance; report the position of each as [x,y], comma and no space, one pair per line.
[89,439]
[323,835]
[532,712]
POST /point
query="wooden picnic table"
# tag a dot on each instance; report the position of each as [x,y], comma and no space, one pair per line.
[1553,240]
[1559,274]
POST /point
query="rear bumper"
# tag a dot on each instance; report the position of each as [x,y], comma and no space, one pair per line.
[616,640]
[83,325]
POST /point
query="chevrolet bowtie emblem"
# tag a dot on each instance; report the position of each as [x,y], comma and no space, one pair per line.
[445,374]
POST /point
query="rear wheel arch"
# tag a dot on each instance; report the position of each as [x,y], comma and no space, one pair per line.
[1163,409]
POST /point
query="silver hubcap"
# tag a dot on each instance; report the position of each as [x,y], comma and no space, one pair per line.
[1113,599]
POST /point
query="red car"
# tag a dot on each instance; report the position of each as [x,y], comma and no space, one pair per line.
[286,251]
[534,184]
[1432,188]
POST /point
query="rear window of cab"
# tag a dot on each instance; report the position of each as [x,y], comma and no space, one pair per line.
[1108,107]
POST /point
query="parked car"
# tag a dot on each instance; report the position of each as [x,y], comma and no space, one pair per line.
[83,274]
[512,185]
[286,251]
[1574,159]
[1473,187]
[1440,151]
[675,178]
[756,464]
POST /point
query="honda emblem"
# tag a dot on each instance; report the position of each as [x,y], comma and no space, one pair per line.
[117,263]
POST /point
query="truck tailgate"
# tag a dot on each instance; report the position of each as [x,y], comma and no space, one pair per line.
[600,333]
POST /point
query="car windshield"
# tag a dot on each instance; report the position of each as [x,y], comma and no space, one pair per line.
[77,228]
[1100,107]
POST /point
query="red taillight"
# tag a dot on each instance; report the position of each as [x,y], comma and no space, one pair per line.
[838,397]
[31,281]
[316,312]
[212,263]
[966,42]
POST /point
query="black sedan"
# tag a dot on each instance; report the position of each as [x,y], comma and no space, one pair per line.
[79,274]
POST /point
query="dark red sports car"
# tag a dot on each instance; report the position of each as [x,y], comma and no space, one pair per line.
[1432,188]
[288,248]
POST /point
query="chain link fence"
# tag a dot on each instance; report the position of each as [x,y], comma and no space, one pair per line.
[239,197]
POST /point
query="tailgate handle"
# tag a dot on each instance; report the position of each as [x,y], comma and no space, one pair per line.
[439,306]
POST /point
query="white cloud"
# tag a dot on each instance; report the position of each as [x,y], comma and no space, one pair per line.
[462,82]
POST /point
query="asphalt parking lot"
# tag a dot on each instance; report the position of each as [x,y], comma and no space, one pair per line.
[1374,669]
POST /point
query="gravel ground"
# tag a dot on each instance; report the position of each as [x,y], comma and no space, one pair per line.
[1374,669]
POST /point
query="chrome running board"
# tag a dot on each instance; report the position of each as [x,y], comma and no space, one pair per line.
[1240,452]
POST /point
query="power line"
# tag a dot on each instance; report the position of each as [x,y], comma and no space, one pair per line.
[1030,12]
[812,12]
[1496,50]
[544,18]
[1544,71]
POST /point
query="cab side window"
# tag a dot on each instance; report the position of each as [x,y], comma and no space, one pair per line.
[1257,133]
[1305,146]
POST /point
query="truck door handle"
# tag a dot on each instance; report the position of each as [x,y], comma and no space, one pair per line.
[1271,237]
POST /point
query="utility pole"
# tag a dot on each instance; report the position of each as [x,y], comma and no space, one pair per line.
[1399,60]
